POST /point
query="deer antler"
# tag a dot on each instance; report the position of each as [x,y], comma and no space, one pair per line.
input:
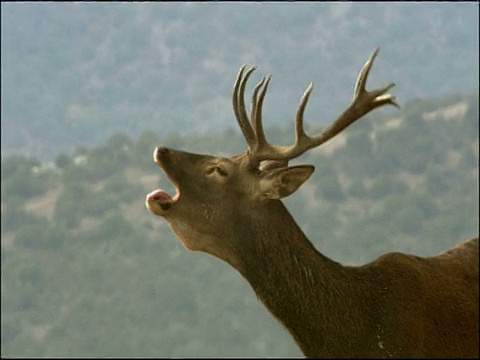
[260,149]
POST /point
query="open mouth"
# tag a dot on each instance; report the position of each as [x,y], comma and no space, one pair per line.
[160,200]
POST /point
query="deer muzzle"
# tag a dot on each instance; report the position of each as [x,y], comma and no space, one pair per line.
[159,153]
[159,201]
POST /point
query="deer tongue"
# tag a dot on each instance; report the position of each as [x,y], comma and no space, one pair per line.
[159,195]
[162,198]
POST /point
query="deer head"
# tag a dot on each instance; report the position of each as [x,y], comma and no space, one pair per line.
[214,191]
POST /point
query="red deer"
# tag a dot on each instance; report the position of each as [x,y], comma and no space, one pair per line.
[398,305]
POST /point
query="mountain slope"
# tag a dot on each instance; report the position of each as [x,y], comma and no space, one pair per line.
[76,73]
[88,271]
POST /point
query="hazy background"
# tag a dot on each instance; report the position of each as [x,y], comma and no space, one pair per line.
[75,73]
[89,89]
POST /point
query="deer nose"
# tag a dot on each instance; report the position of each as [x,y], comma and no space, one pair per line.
[162,150]
[159,152]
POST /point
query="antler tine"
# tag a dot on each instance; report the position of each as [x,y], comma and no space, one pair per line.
[259,149]
[363,102]
[256,117]
[363,75]
[239,104]
[378,94]
[299,130]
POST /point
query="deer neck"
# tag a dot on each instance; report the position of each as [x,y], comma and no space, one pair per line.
[291,277]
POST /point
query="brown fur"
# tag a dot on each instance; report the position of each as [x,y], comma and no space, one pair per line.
[398,305]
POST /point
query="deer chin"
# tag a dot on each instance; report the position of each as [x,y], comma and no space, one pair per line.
[159,201]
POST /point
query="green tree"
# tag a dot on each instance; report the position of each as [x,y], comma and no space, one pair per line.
[71,204]
[62,161]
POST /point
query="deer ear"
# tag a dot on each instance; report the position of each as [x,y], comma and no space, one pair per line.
[279,183]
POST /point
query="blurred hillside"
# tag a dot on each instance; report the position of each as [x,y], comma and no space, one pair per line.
[74,74]
[88,271]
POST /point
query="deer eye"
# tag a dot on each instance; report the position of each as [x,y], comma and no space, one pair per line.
[218,169]
[221,171]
